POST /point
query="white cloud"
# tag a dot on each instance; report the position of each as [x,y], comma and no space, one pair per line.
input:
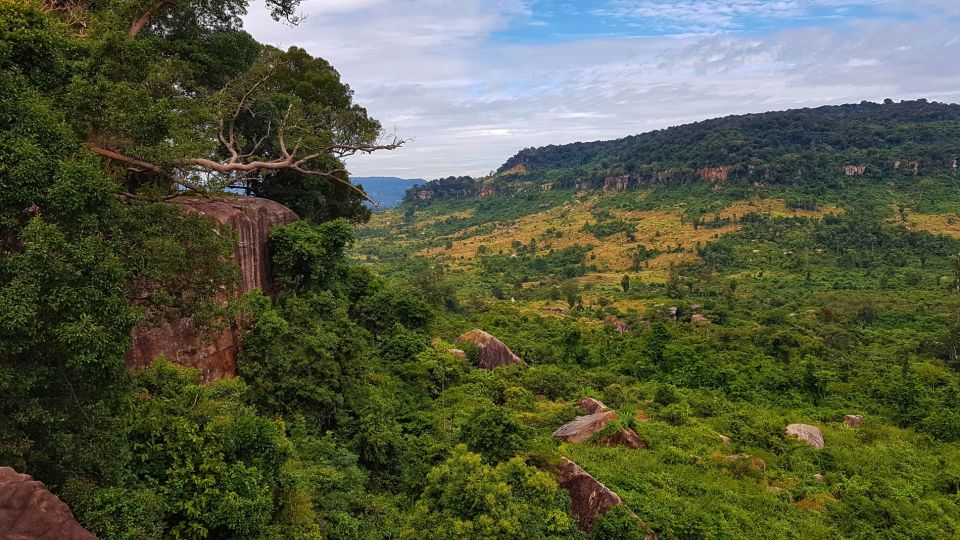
[436,71]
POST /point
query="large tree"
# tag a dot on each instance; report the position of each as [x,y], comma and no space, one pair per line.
[175,96]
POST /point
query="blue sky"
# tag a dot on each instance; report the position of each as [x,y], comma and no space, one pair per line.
[562,20]
[473,81]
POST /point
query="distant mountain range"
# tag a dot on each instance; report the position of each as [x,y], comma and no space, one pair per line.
[386,190]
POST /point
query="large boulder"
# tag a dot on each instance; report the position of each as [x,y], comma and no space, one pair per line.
[806,433]
[29,512]
[214,350]
[584,427]
[493,353]
[588,497]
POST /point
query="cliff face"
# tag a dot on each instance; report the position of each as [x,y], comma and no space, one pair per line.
[214,351]
[253,218]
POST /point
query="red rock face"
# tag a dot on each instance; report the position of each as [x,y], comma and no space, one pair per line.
[715,174]
[493,353]
[214,351]
[854,170]
[29,512]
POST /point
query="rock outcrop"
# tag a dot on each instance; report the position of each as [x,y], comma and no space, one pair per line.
[214,351]
[493,353]
[28,511]
[583,427]
[907,166]
[616,183]
[853,420]
[589,498]
[591,406]
[699,320]
[621,326]
[253,218]
[854,170]
[715,174]
[806,433]
[624,437]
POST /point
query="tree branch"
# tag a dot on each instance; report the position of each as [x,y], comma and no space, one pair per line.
[144,19]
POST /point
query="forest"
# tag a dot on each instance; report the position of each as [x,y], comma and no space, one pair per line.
[708,314]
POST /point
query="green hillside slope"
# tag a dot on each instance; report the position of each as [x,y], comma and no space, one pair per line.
[747,305]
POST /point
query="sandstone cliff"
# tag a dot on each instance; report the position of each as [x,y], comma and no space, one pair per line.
[214,351]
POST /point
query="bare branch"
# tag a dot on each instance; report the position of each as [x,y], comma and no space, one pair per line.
[107,153]
[332,175]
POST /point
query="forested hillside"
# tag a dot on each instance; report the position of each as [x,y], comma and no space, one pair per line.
[776,357]
[802,147]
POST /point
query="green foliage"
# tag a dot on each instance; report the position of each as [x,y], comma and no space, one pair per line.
[494,434]
[465,498]
[309,256]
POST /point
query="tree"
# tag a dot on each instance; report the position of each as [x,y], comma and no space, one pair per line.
[571,292]
[625,283]
[465,498]
[494,434]
[215,109]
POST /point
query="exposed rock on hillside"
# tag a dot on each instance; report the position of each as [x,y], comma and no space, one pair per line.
[253,218]
[806,433]
[699,319]
[589,498]
[584,427]
[29,512]
[715,174]
[853,420]
[854,170]
[615,322]
[214,351]
[625,437]
[591,406]
[493,353]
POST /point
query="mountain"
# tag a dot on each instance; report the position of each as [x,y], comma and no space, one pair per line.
[386,190]
[794,147]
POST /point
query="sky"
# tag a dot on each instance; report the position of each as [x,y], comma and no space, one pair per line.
[468,83]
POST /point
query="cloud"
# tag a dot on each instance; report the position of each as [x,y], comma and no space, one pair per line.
[442,72]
